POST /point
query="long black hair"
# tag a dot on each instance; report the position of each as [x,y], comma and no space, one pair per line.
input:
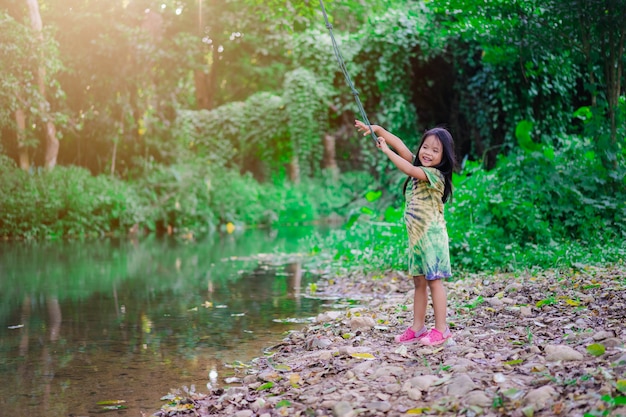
[448,159]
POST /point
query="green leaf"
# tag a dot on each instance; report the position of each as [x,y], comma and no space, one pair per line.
[522,133]
[621,385]
[283,403]
[266,386]
[583,113]
[367,210]
[514,362]
[596,349]
[373,195]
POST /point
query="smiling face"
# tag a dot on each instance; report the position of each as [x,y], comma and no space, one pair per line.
[431,151]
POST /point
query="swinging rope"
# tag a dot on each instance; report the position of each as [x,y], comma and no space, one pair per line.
[342,65]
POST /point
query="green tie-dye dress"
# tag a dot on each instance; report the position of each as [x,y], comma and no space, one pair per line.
[429,253]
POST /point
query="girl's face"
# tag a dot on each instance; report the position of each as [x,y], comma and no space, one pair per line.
[431,151]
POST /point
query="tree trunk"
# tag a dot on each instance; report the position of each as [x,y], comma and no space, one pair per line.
[20,120]
[330,158]
[202,90]
[294,169]
[52,143]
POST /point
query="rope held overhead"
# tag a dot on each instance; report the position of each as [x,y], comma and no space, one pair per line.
[343,68]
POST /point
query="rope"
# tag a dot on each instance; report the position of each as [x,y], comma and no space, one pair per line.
[343,68]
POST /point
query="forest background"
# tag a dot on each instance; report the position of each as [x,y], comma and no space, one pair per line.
[192,117]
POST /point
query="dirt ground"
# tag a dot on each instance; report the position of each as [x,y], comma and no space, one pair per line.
[539,343]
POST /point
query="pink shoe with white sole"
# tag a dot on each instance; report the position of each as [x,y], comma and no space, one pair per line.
[435,337]
[411,336]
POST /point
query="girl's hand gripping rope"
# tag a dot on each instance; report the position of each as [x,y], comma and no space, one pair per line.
[380,141]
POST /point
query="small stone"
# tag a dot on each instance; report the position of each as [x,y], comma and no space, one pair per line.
[612,342]
[460,386]
[249,379]
[258,404]
[526,311]
[601,335]
[392,388]
[382,406]
[325,355]
[495,302]
[244,413]
[478,398]
[562,353]
[414,394]
[362,322]
[539,398]
[343,409]
[422,382]
[328,316]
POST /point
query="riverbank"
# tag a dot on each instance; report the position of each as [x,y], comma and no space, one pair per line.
[526,344]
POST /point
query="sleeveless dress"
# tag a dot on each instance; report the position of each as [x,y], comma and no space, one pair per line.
[429,252]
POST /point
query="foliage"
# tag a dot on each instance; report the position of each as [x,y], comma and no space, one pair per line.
[188,200]
[67,201]
[306,103]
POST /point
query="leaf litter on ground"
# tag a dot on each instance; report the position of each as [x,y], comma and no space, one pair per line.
[537,343]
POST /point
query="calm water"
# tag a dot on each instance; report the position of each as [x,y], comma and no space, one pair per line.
[86,322]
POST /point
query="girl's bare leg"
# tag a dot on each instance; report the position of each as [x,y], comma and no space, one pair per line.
[420,302]
[440,303]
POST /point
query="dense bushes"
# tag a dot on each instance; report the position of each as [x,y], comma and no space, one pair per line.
[185,199]
[67,201]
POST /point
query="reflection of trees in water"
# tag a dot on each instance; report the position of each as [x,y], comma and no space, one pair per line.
[41,377]
[93,305]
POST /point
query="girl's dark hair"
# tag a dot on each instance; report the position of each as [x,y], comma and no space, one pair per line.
[448,159]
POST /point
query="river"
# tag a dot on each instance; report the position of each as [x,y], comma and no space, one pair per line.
[91,325]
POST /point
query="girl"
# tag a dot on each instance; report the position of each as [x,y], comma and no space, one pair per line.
[427,188]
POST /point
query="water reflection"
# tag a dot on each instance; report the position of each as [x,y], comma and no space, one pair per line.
[86,322]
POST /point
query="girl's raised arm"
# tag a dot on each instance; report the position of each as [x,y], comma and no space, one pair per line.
[391,139]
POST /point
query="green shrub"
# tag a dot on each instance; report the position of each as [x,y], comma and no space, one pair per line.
[67,201]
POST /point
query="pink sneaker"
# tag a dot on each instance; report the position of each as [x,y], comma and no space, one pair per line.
[410,336]
[435,337]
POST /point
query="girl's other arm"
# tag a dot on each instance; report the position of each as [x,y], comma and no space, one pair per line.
[391,139]
[402,164]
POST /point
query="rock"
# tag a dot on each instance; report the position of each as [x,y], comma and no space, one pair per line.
[516,286]
[539,398]
[319,342]
[460,385]
[562,353]
[362,322]
[325,355]
[235,393]
[478,398]
[392,388]
[495,302]
[258,404]
[601,335]
[382,406]
[414,394]
[343,409]
[422,382]
[244,413]
[526,311]
[249,379]
[612,342]
[269,375]
[388,370]
[328,316]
